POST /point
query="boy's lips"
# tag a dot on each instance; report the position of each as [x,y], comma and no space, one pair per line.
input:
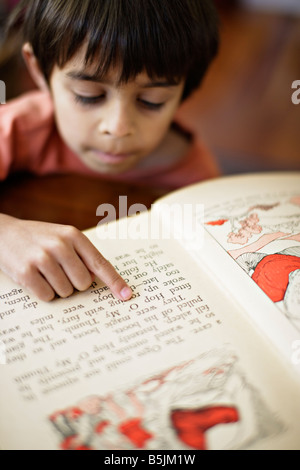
[112,158]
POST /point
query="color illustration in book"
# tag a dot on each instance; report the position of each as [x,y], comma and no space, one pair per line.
[267,237]
[204,403]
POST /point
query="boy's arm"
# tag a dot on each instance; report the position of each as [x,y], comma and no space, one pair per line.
[50,259]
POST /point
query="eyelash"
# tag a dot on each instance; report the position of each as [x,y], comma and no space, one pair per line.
[151,106]
[91,100]
[88,100]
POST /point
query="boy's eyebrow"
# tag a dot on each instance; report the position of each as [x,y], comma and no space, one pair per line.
[83,76]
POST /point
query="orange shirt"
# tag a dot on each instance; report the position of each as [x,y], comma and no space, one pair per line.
[29,141]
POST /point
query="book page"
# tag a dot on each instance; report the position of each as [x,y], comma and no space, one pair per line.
[255,219]
[176,367]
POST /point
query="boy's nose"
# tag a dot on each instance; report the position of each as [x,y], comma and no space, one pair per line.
[116,121]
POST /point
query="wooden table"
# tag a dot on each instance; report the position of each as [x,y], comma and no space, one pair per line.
[67,199]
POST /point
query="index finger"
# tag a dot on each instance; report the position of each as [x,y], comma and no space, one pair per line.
[101,267]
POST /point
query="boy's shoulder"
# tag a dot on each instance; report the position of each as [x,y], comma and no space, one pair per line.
[28,112]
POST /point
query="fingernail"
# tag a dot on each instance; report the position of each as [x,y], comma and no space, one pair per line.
[126,293]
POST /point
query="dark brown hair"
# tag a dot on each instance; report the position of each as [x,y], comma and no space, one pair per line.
[174,39]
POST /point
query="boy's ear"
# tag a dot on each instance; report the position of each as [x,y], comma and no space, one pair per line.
[33,67]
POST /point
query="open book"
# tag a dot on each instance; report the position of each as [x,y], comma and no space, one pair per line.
[206,354]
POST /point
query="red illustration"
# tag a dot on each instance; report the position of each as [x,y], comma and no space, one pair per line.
[191,425]
[272,274]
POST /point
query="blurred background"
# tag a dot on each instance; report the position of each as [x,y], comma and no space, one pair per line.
[243,111]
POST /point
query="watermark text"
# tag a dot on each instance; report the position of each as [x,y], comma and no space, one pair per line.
[2,92]
[296,94]
[163,222]
[295,357]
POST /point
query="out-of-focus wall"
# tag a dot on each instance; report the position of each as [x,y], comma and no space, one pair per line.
[282,6]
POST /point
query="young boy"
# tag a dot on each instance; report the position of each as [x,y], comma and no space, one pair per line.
[111,75]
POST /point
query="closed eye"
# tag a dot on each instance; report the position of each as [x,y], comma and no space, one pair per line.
[89,100]
[150,105]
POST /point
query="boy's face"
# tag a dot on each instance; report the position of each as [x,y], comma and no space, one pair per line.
[110,127]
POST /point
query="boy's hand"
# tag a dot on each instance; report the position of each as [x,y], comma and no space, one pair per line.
[50,259]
